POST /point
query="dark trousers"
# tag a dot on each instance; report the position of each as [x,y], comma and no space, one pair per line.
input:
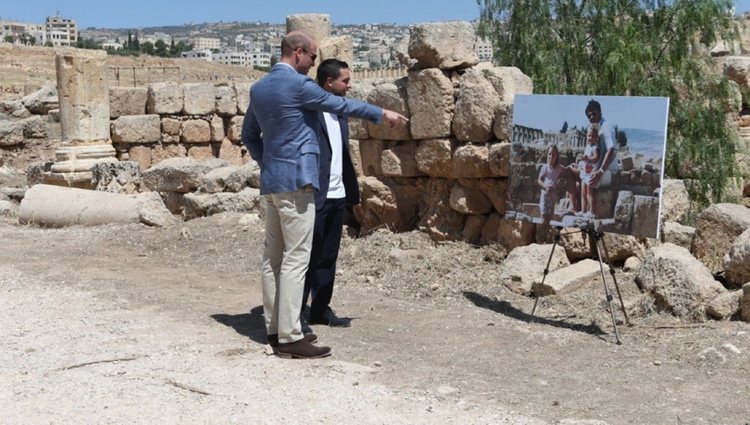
[329,221]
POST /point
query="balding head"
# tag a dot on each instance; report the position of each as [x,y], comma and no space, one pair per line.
[296,40]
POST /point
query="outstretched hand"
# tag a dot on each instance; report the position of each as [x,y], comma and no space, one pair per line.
[393,117]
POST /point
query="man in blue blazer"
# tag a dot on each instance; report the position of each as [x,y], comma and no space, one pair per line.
[338,192]
[281,133]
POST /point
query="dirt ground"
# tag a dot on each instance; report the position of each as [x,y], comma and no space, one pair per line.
[131,324]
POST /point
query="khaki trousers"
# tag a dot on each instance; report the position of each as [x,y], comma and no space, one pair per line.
[290,220]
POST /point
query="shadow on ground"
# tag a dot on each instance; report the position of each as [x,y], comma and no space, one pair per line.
[250,324]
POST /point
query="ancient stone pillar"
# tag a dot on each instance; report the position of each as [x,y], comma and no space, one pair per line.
[84,117]
[317,26]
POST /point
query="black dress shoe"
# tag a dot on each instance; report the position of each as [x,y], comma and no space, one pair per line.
[306,329]
[273,340]
[329,318]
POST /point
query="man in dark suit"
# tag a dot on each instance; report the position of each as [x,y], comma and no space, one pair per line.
[281,131]
[338,192]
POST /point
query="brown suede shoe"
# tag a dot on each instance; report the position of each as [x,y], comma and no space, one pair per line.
[273,340]
[302,350]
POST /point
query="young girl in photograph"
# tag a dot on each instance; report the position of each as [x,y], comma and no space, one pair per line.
[586,168]
[548,180]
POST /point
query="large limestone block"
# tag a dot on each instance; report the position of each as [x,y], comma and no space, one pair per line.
[200,99]
[201,151]
[615,247]
[469,200]
[434,157]
[676,233]
[399,160]
[390,96]
[500,159]
[476,105]
[508,81]
[217,129]
[43,100]
[116,177]
[339,47]
[360,91]
[316,25]
[234,130]
[471,161]
[11,133]
[247,175]
[515,233]
[645,216]
[675,201]
[57,206]
[197,204]
[430,94]
[127,101]
[179,174]
[231,152]
[83,90]
[196,131]
[166,151]
[226,101]
[369,156]
[715,230]
[439,220]
[356,157]
[136,129]
[171,126]
[142,155]
[496,191]
[679,283]
[214,180]
[525,264]
[567,279]
[165,98]
[502,127]
[444,45]
[725,305]
[737,261]
[391,203]
[243,96]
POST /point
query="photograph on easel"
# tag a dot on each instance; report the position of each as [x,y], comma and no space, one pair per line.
[591,162]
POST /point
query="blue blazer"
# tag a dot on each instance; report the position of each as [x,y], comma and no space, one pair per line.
[349,176]
[281,128]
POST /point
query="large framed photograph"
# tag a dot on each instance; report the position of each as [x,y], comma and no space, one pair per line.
[591,162]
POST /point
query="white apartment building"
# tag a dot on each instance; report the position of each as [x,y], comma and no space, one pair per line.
[261,59]
[231,58]
[484,50]
[203,43]
[205,55]
[57,31]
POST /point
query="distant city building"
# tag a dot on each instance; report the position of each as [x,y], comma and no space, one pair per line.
[484,50]
[56,31]
[230,58]
[205,55]
[201,43]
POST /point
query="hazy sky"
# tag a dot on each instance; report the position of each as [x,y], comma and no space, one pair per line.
[146,13]
[549,112]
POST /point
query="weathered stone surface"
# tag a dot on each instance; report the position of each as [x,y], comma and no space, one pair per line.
[676,233]
[243,96]
[43,100]
[390,203]
[358,127]
[153,212]
[226,101]
[473,228]
[201,151]
[508,81]
[515,233]
[234,130]
[632,264]
[618,247]
[339,47]
[526,263]
[141,155]
[725,305]
[166,151]
[7,208]
[230,152]
[471,161]
[745,303]
[491,230]
[441,221]
[34,127]
[136,129]
[567,279]
[116,177]
[675,202]
[356,157]
[200,99]
[11,133]
[127,101]
[165,98]
[198,204]
[499,158]
[196,131]
[715,230]
[496,191]
[444,45]
[390,96]
[737,69]
[433,157]
[214,180]
[14,109]
[645,216]
[623,213]
[217,129]
[316,25]
[83,92]
[502,126]
[179,174]
[430,95]
[737,260]
[679,283]
[243,176]
[476,105]
[469,200]
[369,156]
[399,160]
[171,126]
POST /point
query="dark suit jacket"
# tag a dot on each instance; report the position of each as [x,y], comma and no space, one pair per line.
[324,172]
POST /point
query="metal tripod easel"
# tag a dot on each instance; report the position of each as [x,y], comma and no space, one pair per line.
[595,238]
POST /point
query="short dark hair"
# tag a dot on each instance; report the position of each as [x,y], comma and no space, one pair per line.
[330,68]
[593,106]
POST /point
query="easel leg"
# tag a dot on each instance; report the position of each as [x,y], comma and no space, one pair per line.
[595,237]
[546,269]
[614,279]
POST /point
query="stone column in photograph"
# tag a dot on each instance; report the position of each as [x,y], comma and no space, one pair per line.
[84,117]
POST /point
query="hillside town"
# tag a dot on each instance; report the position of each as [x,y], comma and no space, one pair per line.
[249,44]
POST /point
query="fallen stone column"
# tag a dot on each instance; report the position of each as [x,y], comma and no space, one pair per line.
[57,206]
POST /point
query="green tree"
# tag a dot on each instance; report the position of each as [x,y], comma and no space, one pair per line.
[635,48]
[160,48]
[9,39]
[147,47]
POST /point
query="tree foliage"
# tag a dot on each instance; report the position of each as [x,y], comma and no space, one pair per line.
[631,48]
